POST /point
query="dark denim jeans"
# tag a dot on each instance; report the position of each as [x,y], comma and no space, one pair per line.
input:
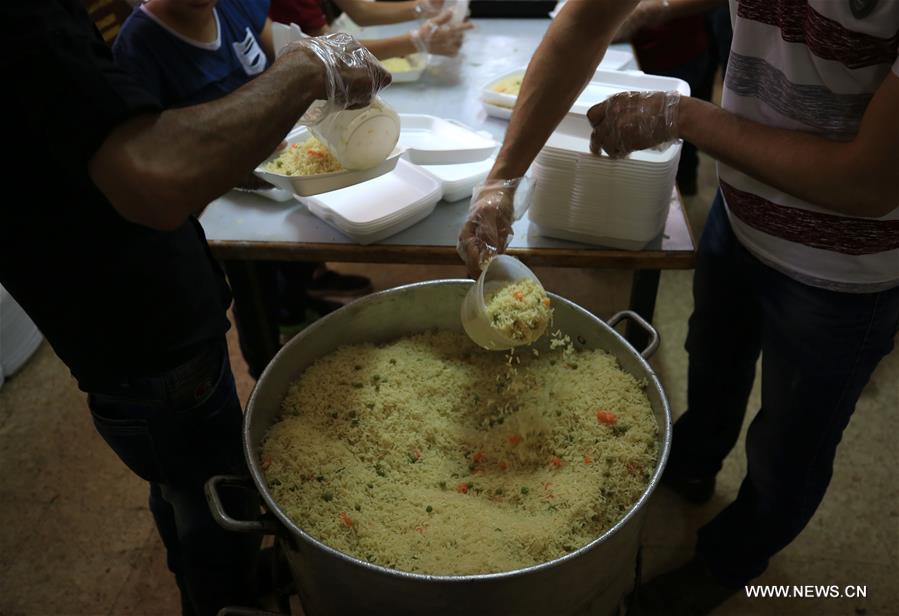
[176,430]
[818,351]
[277,288]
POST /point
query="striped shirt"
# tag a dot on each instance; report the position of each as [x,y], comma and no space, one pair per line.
[812,66]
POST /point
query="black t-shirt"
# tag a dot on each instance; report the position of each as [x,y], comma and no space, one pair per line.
[115,299]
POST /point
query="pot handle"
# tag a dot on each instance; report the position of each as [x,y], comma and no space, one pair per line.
[653,334]
[265,525]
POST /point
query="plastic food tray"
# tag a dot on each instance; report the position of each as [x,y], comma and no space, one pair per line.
[602,85]
[459,180]
[307,186]
[419,62]
[429,140]
[381,207]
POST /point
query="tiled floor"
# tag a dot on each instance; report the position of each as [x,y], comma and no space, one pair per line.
[76,536]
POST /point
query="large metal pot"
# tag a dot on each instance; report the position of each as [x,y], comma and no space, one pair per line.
[591,580]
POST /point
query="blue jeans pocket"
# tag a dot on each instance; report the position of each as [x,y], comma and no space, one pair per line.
[129,438]
[207,439]
[181,428]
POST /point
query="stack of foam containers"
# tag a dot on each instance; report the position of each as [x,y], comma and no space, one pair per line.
[618,203]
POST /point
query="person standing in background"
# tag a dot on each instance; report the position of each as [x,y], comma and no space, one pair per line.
[113,266]
[798,262]
[185,55]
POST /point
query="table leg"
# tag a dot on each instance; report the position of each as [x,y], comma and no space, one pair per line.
[644,289]
[254,286]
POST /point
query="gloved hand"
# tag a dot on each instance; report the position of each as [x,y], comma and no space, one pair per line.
[647,13]
[488,230]
[632,121]
[440,37]
[428,8]
[353,76]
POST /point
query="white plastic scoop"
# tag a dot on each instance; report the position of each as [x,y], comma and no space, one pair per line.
[500,271]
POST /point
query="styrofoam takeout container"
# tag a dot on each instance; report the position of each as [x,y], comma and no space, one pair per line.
[594,199]
[419,62]
[382,207]
[615,207]
[495,111]
[307,186]
[429,140]
[459,180]
[501,270]
[283,35]
[601,86]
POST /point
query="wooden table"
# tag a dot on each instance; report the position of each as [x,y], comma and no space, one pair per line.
[244,229]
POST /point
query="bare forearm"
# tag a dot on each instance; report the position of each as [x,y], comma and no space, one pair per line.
[377,13]
[566,58]
[846,177]
[393,47]
[157,170]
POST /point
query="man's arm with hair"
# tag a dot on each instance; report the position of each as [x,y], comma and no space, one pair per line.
[158,169]
[859,177]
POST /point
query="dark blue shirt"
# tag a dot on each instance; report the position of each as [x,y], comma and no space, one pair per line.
[181,72]
[114,298]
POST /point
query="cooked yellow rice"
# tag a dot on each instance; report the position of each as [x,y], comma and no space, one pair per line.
[509,85]
[520,310]
[397,65]
[307,158]
[431,455]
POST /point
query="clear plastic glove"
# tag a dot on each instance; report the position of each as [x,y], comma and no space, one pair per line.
[488,229]
[428,8]
[439,36]
[632,121]
[647,13]
[353,76]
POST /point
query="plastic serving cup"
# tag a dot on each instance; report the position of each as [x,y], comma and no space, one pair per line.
[500,271]
[360,138]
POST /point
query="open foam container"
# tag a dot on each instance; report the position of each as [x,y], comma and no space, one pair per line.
[442,159]
[309,185]
[601,86]
[429,140]
[382,207]
[418,62]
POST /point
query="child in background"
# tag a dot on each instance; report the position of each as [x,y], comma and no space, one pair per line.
[185,55]
[436,36]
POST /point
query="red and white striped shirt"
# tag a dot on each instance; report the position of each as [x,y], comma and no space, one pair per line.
[812,66]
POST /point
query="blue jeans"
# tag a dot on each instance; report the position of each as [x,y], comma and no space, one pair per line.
[279,289]
[176,430]
[818,351]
